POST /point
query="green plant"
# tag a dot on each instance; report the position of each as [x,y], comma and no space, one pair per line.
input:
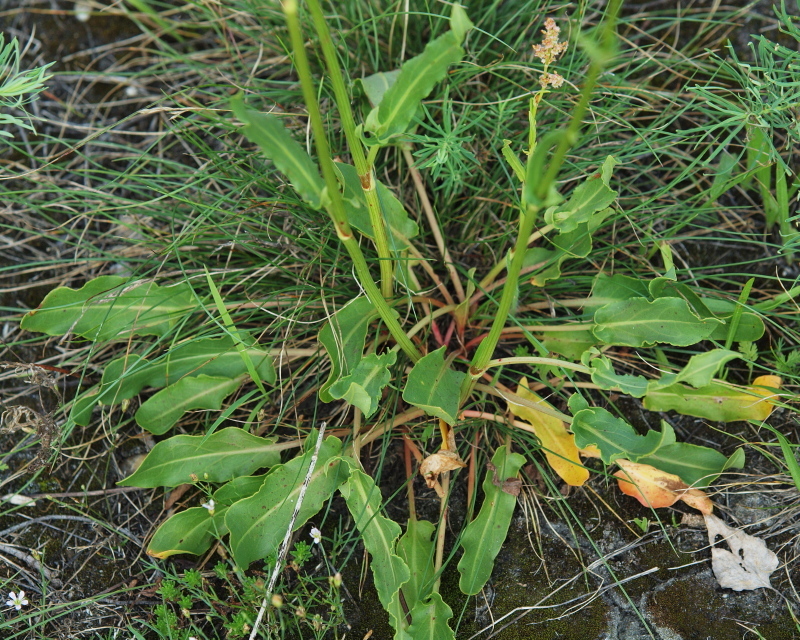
[758,99]
[257,511]
[17,88]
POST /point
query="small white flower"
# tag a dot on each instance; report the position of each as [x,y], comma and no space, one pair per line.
[209,505]
[16,600]
[316,535]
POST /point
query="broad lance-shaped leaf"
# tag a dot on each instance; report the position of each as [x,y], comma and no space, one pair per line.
[588,197]
[376,85]
[558,444]
[401,227]
[696,465]
[616,288]
[639,322]
[379,535]
[434,387]
[573,244]
[570,344]
[415,548]
[278,145]
[484,536]
[343,337]
[189,531]
[717,401]
[429,620]
[614,437]
[111,308]
[162,411]
[219,457]
[698,372]
[417,78]
[363,388]
[258,524]
[604,376]
[124,377]
[193,530]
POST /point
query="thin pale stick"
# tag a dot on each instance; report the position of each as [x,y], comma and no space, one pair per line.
[285,544]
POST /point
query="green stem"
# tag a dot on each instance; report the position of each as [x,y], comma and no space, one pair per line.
[554,362]
[597,65]
[483,354]
[364,168]
[531,210]
[336,207]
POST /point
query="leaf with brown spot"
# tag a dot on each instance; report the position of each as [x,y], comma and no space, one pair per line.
[511,486]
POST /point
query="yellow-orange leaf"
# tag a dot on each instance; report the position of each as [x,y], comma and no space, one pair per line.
[558,443]
[655,488]
[765,408]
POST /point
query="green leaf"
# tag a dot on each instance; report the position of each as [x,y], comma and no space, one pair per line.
[697,466]
[751,326]
[429,620]
[614,437]
[607,289]
[376,85]
[111,308]
[343,337]
[483,537]
[237,489]
[434,387]
[278,145]
[415,547]
[700,370]
[570,344]
[638,322]
[364,386]
[604,376]
[401,227]
[258,524]
[607,169]
[162,411]
[573,244]
[714,401]
[513,161]
[189,531]
[589,197]
[193,530]
[219,457]
[124,377]
[417,78]
[379,535]
[664,287]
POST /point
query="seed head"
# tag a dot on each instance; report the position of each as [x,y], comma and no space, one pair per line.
[550,49]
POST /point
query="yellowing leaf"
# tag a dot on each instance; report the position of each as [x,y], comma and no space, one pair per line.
[558,443]
[655,488]
[717,401]
[766,381]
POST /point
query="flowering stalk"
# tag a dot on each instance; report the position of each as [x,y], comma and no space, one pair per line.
[548,52]
[535,196]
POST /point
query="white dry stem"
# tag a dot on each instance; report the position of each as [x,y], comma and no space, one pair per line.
[285,544]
